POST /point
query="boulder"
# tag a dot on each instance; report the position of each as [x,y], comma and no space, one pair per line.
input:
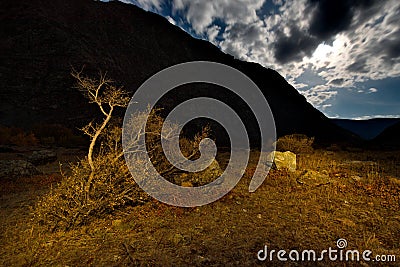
[285,160]
[314,178]
[211,173]
[17,168]
[42,157]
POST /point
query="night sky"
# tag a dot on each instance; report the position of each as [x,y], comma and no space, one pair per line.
[342,55]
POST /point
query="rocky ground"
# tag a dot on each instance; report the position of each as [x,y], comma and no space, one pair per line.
[331,195]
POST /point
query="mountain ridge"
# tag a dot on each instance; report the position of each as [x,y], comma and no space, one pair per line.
[366,129]
[43,39]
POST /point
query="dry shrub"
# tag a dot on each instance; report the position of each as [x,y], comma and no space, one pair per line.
[154,149]
[69,204]
[16,136]
[188,147]
[296,143]
[102,182]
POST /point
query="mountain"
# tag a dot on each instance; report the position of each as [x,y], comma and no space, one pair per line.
[43,39]
[366,129]
[389,138]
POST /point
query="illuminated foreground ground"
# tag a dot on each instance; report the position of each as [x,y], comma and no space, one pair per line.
[357,200]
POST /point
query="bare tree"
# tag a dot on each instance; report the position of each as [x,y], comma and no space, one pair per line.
[102,182]
[107,96]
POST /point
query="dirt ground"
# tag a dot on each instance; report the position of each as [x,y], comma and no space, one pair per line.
[359,201]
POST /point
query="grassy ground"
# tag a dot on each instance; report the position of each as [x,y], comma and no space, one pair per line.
[350,195]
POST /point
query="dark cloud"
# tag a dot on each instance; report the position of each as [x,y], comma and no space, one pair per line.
[244,32]
[293,47]
[392,46]
[331,17]
[337,81]
[328,18]
[358,66]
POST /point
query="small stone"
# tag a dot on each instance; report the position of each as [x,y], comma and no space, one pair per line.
[314,178]
[202,260]
[259,216]
[177,238]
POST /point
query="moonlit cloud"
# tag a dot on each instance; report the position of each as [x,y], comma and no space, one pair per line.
[201,14]
[149,5]
[368,117]
[212,33]
[344,43]
[319,95]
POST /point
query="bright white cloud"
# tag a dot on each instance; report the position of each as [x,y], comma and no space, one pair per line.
[212,33]
[319,95]
[367,49]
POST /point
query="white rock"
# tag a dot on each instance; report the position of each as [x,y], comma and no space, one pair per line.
[284,160]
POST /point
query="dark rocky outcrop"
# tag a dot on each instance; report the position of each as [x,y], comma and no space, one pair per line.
[10,169]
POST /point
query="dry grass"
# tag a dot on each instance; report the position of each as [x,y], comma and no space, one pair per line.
[360,203]
[296,143]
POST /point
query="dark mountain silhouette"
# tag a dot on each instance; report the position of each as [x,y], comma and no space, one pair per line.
[43,39]
[366,129]
[389,138]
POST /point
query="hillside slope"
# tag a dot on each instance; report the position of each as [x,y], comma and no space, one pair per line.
[43,39]
[389,138]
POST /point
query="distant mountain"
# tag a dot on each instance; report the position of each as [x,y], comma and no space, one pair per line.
[389,138]
[366,129]
[42,39]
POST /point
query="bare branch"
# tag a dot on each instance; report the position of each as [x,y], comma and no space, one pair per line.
[100,91]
